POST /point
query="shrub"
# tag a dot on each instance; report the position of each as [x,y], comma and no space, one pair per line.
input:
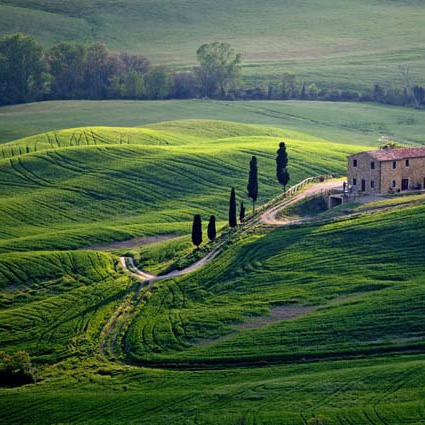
[15,369]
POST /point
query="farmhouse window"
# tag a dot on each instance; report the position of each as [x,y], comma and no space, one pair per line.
[407,163]
[372,165]
[394,165]
[354,162]
[394,183]
[354,182]
[372,184]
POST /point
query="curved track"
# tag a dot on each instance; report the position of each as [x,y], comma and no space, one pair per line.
[120,319]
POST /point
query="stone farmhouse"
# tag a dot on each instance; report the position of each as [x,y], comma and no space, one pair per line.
[386,170]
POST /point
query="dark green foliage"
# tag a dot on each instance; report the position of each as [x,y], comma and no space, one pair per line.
[212,232]
[197,230]
[281,165]
[418,95]
[15,369]
[21,69]
[241,212]
[232,209]
[219,68]
[252,186]
[67,68]
[158,83]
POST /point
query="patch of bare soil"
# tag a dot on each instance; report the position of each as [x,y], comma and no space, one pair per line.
[277,314]
[132,243]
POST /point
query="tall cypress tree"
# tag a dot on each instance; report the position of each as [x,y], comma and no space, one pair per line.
[252,186]
[197,230]
[232,209]
[212,233]
[281,165]
[241,212]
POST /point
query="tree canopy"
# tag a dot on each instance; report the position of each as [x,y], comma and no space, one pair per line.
[219,68]
[21,69]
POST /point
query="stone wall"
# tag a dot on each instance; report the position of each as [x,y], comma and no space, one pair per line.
[391,178]
[364,172]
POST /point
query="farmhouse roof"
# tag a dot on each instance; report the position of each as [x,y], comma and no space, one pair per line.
[395,154]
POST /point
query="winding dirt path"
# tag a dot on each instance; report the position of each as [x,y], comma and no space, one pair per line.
[119,319]
[270,216]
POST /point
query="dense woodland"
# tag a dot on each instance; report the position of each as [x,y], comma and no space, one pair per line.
[77,71]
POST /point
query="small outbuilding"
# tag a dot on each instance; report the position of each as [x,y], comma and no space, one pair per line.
[387,170]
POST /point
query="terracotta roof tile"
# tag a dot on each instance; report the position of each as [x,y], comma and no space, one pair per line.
[395,154]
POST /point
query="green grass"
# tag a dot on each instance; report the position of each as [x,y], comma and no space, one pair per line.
[350,45]
[351,123]
[381,391]
[377,311]
[353,353]
[87,186]
[313,266]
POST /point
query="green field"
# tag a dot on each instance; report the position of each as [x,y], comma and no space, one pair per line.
[351,123]
[283,326]
[334,43]
[64,182]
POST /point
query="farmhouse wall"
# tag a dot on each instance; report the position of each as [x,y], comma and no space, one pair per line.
[413,171]
[361,175]
[387,171]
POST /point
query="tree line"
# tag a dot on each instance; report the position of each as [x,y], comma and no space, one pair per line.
[282,176]
[79,71]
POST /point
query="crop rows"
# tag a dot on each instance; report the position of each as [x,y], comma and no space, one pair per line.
[63,190]
[377,311]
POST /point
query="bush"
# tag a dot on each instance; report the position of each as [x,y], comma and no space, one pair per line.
[16,369]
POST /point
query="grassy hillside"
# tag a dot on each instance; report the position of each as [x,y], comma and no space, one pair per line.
[287,297]
[326,319]
[81,187]
[353,44]
[312,272]
[351,123]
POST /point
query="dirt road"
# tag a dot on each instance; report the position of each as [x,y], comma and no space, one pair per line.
[270,216]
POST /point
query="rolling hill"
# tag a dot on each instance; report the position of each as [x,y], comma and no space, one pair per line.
[322,321]
[332,43]
[343,122]
[96,185]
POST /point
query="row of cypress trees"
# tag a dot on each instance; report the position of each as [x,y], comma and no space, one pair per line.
[283,178]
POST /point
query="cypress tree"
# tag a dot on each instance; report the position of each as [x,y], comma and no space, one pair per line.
[281,165]
[252,186]
[211,229]
[242,212]
[197,230]
[232,209]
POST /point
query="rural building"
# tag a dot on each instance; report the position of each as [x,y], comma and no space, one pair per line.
[387,170]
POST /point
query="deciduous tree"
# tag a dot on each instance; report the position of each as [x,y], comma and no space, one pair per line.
[219,68]
[158,83]
[67,66]
[22,69]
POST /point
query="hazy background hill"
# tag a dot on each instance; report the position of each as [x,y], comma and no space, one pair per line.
[320,41]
